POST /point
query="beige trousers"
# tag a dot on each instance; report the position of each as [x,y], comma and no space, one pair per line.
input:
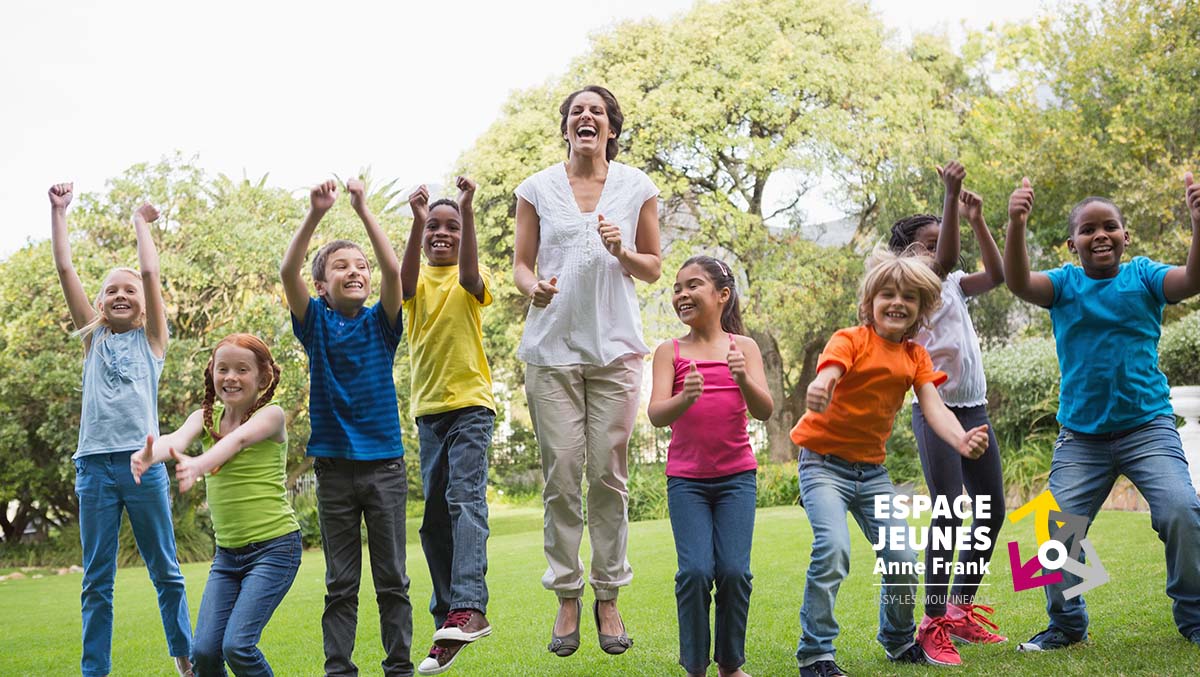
[583,416]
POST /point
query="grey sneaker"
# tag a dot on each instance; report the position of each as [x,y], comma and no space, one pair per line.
[1048,640]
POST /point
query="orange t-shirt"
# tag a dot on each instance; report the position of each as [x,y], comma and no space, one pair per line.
[878,372]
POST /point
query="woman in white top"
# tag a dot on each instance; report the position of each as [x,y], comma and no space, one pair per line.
[586,229]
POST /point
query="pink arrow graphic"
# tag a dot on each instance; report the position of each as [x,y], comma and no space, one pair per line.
[1025,575]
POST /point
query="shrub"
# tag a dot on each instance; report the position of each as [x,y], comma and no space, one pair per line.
[1023,380]
[1179,351]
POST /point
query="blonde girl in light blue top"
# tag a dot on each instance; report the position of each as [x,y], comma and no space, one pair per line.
[124,345]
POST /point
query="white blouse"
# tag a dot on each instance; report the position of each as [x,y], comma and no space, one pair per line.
[954,347]
[595,318]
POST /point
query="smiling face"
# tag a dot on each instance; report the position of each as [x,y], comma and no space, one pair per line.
[1099,238]
[120,301]
[696,300]
[347,282]
[237,377]
[926,238]
[443,232]
[894,310]
[587,125]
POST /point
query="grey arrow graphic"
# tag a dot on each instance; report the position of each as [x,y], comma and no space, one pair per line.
[1093,575]
[1073,530]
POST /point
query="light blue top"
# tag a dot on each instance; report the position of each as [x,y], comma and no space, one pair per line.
[120,392]
[1107,335]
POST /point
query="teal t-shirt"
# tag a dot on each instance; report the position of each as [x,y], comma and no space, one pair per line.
[247,497]
[1107,332]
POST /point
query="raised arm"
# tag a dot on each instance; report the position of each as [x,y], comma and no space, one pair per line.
[1182,282]
[949,245]
[266,423]
[969,443]
[992,275]
[391,294]
[645,264]
[746,366]
[82,311]
[159,450]
[320,198]
[666,408]
[468,248]
[156,309]
[525,250]
[410,266]
[1032,287]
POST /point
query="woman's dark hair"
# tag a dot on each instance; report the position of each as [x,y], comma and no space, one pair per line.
[722,278]
[616,119]
[1073,218]
[904,231]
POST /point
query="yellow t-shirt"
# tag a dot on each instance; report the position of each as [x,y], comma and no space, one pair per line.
[445,343]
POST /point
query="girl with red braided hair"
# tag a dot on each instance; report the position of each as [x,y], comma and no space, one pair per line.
[244,437]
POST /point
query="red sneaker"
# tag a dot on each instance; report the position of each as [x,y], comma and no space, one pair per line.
[462,626]
[935,641]
[967,624]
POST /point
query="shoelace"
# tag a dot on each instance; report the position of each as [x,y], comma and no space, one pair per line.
[979,618]
[828,669]
[939,632]
[457,619]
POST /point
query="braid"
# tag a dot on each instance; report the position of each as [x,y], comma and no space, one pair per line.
[267,395]
[904,230]
[210,394]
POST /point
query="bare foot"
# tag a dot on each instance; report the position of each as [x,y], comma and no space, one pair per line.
[735,672]
[610,619]
[568,617]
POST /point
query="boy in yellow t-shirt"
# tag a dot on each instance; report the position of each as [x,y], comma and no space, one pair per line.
[452,402]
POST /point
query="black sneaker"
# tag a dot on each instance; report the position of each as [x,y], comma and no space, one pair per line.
[822,669]
[1048,640]
[912,654]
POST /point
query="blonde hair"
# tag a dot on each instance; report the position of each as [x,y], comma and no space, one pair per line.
[907,272]
[87,329]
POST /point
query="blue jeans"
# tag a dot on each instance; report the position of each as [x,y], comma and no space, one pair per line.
[348,494]
[104,487]
[713,524]
[244,587]
[1082,474]
[454,531]
[829,487]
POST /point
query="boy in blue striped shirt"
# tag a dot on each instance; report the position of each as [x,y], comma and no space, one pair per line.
[355,437]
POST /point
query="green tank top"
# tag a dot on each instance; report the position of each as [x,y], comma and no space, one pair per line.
[247,497]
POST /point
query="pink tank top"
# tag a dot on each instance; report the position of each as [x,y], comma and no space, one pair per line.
[710,439]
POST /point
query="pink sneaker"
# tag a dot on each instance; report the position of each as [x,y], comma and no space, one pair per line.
[967,624]
[935,642]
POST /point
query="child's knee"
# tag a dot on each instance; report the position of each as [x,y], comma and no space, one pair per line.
[693,578]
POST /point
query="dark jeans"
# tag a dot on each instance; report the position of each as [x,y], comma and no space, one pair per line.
[946,473]
[245,586]
[454,531]
[349,492]
[1082,474]
[713,524]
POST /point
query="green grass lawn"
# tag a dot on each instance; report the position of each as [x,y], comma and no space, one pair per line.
[1132,630]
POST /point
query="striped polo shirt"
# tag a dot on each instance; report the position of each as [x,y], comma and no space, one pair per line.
[352,397]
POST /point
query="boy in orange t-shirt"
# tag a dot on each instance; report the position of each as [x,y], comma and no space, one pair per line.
[862,377]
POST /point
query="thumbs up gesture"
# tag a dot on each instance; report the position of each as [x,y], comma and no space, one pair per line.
[1021,203]
[974,442]
[952,175]
[737,362]
[1192,198]
[543,292]
[610,235]
[693,384]
[140,461]
[819,394]
[187,470]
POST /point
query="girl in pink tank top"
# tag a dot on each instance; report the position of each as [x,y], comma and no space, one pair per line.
[705,383]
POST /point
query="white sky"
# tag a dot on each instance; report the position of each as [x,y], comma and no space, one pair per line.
[297,89]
